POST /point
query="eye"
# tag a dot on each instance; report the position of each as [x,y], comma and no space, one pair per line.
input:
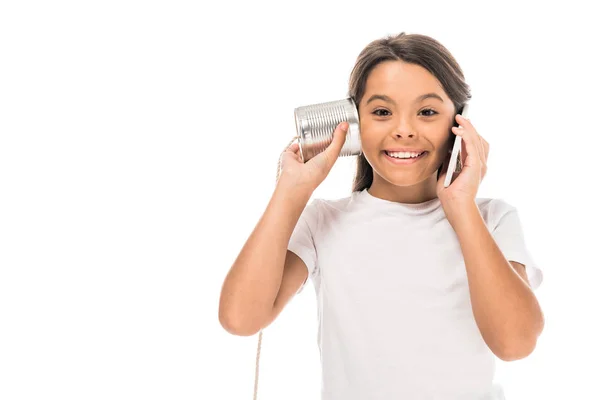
[380,109]
[433,112]
[429,112]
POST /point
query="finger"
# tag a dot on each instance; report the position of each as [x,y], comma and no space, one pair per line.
[470,142]
[478,141]
[466,124]
[293,150]
[470,150]
[486,148]
[480,147]
[294,147]
[486,152]
[480,144]
[463,151]
[332,152]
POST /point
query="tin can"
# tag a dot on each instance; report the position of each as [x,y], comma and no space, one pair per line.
[316,123]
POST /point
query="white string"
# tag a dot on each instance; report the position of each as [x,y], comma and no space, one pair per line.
[260,334]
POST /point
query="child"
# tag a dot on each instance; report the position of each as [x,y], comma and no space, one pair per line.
[419,287]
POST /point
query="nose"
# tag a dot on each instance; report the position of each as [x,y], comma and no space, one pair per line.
[404,129]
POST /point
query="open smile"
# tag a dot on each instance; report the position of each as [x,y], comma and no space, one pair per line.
[405,161]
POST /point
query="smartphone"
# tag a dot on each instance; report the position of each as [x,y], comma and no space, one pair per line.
[455,156]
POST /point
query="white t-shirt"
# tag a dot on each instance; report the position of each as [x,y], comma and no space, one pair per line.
[394,311]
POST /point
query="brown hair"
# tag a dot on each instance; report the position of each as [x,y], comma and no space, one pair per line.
[411,48]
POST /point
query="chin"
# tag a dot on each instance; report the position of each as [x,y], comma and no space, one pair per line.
[403,180]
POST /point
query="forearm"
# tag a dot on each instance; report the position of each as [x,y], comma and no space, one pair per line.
[506,310]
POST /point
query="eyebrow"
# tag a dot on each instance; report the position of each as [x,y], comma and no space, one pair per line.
[418,99]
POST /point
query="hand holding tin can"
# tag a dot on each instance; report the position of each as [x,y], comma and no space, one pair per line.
[315,124]
[312,173]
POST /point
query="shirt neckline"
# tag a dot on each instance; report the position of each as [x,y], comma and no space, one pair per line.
[403,208]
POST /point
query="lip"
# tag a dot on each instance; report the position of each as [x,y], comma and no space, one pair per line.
[404,149]
[405,161]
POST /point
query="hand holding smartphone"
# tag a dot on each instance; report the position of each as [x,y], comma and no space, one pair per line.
[453,166]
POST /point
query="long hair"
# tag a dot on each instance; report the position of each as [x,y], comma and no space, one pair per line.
[411,48]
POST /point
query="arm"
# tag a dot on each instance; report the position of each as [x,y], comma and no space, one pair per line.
[252,285]
[505,308]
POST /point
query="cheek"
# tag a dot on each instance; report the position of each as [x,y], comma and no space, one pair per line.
[371,135]
[448,141]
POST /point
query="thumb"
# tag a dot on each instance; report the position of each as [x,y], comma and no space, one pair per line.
[332,152]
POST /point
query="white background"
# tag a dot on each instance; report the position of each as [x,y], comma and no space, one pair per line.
[139,143]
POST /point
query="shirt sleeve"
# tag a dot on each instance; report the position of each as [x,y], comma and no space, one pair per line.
[302,241]
[508,234]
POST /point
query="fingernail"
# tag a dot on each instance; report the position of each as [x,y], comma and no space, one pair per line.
[344,126]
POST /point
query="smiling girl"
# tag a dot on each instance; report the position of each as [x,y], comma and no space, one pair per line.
[419,287]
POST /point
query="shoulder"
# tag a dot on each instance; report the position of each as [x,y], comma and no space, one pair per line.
[493,209]
[321,211]
[334,206]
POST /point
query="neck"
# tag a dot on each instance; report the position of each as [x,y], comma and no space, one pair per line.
[418,193]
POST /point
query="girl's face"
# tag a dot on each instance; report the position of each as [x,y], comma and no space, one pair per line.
[404,106]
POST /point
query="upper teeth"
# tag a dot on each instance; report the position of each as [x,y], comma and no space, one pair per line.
[402,154]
